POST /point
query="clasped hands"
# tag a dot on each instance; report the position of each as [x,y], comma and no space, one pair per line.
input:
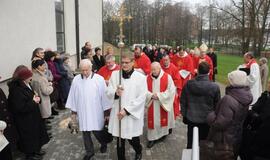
[154,96]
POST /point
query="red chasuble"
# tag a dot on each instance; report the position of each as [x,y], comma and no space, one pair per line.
[144,63]
[209,61]
[106,73]
[163,113]
[173,71]
[184,63]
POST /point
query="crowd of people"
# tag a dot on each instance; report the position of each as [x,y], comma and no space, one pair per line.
[109,99]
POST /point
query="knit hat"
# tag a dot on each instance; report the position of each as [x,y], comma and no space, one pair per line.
[36,63]
[24,74]
[203,48]
[237,78]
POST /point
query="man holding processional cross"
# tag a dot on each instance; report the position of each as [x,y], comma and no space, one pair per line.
[127,92]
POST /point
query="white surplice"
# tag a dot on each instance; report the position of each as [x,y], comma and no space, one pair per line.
[254,81]
[87,97]
[133,100]
[166,99]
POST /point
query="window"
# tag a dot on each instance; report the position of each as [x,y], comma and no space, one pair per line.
[60,25]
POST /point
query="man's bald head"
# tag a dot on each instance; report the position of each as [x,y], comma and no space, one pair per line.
[155,68]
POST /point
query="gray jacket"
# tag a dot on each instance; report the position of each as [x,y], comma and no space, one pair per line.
[199,97]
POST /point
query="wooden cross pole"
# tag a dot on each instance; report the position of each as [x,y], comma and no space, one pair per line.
[121,17]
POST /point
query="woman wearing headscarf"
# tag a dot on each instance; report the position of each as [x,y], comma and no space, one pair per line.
[24,105]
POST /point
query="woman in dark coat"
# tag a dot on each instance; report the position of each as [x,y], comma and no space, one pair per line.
[10,132]
[49,58]
[24,106]
[63,82]
[256,142]
[98,58]
[227,120]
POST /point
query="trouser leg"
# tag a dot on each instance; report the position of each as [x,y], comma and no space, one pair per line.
[121,150]
[88,143]
[203,131]
[98,135]
[189,136]
[135,143]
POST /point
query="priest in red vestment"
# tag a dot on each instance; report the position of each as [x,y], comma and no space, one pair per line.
[142,62]
[184,64]
[160,97]
[106,71]
[204,58]
[170,69]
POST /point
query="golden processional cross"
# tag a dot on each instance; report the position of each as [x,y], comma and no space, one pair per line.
[121,17]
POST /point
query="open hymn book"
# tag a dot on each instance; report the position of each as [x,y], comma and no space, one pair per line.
[3,142]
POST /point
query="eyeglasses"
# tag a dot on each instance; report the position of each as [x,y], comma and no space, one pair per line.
[126,62]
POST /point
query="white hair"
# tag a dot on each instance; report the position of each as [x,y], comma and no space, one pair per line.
[109,57]
[156,64]
[85,62]
[263,60]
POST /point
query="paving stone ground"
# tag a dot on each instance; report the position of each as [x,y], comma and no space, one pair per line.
[67,146]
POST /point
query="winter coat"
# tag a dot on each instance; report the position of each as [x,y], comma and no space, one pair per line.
[63,82]
[5,115]
[84,53]
[199,97]
[213,57]
[99,62]
[228,118]
[70,73]
[53,69]
[43,88]
[27,117]
[264,72]
[261,142]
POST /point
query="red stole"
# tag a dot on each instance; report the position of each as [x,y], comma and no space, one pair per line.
[252,61]
[163,113]
[173,71]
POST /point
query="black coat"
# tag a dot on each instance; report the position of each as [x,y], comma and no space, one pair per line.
[5,115]
[27,118]
[84,53]
[260,145]
[213,57]
[99,62]
[199,97]
[64,81]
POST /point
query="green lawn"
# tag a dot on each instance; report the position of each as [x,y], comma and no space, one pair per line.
[226,64]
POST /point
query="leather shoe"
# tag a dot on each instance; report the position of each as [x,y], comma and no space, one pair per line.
[33,157]
[150,144]
[103,149]
[138,156]
[88,157]
[40,153]
[51,117]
